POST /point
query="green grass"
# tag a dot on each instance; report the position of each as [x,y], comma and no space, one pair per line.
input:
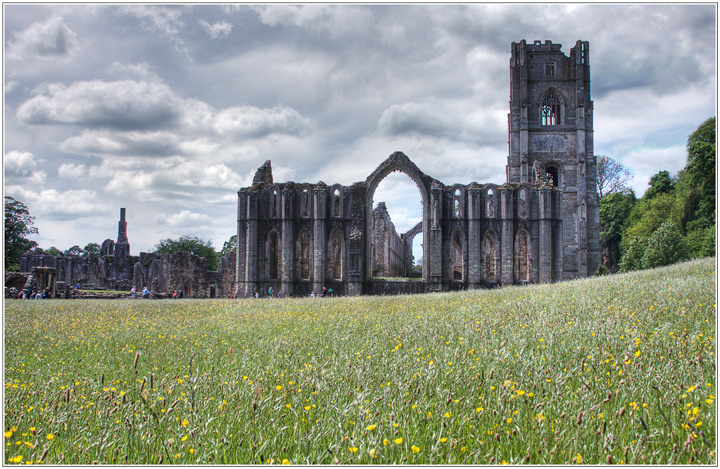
[615,369]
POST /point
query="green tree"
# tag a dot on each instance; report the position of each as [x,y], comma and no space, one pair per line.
[615,209]
[666,246]
[632,257]
[229,246]
[74,251]
[612,177]
[700,169]
[55,252]
[647,215]
[661,183]
[91,249]
[193,245]
[18,224]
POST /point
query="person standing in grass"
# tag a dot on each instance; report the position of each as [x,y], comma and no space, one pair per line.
[132,291]
[146,292]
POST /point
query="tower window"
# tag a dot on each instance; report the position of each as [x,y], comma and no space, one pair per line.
[550,69]
[550,110]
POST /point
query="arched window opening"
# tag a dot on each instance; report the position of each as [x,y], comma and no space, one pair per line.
[305,255]
[522,257]
[550,109]
[457,203]
[275,203]
[273,255]
[522,204]
[458,265]
[488,257]
[490,203]
[336,202]
[305,202]
[552,176]
[336,256]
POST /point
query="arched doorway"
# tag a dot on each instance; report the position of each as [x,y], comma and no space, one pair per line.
[397,162]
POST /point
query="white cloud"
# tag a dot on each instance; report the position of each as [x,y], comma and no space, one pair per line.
[58,205]
[185,219]
[646,162]
[123,104]
[339,21]
[21,166]
[48,39]
[72,171]
[219,30]
[141,71]
[251,122]
[166,19]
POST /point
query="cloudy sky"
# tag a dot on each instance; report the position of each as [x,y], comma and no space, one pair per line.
[169,110]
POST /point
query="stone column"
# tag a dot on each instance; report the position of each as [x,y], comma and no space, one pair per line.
[320,194]
[474,211]
[507,250]
[435,258]
[287,261]
[240,248]
[545,245]
[582,206]
[252,242]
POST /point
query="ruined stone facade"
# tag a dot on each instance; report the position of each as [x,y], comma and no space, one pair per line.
[116,269]
[541,225]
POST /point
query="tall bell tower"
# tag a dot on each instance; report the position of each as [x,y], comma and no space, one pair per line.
[551,142]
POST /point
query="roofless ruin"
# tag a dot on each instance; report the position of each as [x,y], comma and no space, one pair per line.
[540,226]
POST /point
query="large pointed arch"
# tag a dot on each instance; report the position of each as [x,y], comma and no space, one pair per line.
[398,162]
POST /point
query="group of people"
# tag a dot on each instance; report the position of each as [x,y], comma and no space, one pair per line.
[324,292]
[145,292]
[28,294]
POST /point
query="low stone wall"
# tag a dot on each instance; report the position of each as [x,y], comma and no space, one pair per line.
[396,287]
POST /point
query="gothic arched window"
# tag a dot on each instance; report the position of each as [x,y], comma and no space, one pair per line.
[490,203]
[273,255]
[305,202]
[522,204]
[336,256]
[336,202]
[457,203]
[305,255]
[522,256]
[488,257]
[550,109]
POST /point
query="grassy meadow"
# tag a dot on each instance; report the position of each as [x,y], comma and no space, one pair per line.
[618,369]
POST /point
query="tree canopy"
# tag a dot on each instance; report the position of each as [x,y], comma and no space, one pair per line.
[676,217]
[612,177]
[193,245]
[18,225]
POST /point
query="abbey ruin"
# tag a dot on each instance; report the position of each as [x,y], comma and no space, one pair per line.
[541,225]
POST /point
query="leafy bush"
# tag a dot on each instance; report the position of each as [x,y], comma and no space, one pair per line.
[632,258]
[701,242]
[666,246]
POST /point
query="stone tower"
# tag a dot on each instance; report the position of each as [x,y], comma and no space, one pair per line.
[551,141]
[122,246]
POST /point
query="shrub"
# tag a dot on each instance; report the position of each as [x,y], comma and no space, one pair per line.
[665,246]
[701,242]
[632,258]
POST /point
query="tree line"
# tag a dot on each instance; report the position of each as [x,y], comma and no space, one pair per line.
[673,221]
